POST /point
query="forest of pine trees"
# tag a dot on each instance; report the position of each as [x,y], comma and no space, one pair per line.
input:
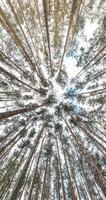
[52,99]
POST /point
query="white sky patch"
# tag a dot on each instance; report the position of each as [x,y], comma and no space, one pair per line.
[57,90]
[70,64]
[89,29]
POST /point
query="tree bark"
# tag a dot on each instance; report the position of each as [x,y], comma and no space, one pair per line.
[28,108]
[24,170]
[35,171]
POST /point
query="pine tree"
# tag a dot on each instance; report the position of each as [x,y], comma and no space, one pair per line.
[52,100]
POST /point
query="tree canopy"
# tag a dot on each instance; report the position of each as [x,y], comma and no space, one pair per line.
[52,100]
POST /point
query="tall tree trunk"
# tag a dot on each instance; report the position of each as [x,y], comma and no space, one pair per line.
[57,180]
[6,186]
[60,169]
[47,29]
[87,65]
[93,167]
[10,166]
[24,170]
[13,77]
[28,108]
[13,139]
[75,7]
[72,189]
[35,172]
[44,179]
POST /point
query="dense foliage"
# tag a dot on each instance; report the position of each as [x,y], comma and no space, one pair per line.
[52,100]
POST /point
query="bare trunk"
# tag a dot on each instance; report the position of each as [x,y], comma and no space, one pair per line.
[93,167]
[35,171]
[63,188]
[23,173]
[28,108]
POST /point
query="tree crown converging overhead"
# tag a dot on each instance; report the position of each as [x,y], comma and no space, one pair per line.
[52,100]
